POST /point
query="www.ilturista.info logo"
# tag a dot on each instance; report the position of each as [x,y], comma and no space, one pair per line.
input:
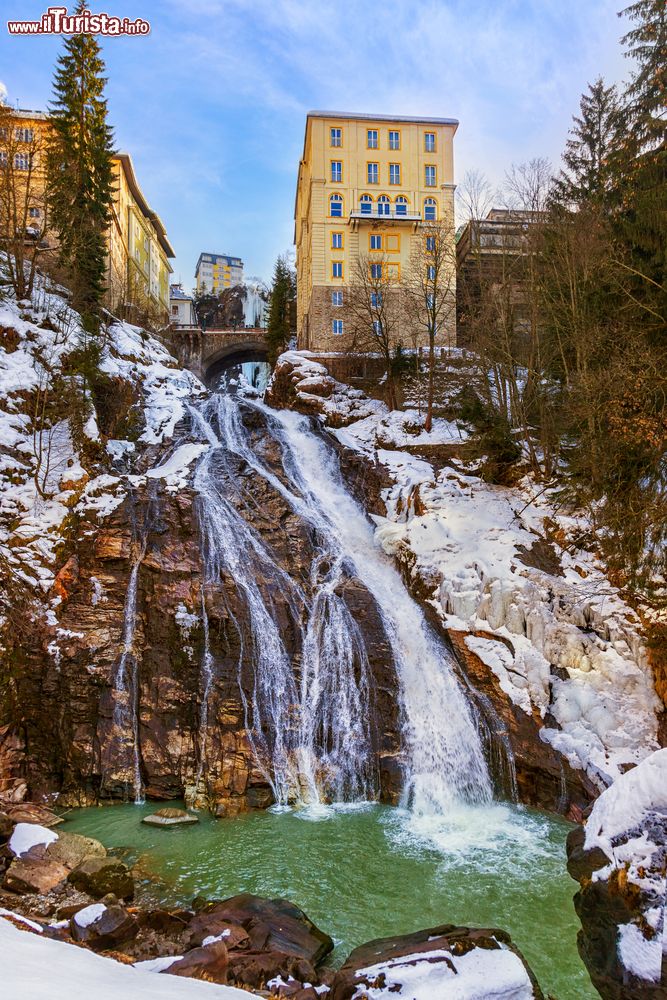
[56,21]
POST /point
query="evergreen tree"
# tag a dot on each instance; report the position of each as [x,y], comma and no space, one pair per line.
[587,174]
[642,162]
[281,309]
[80,177]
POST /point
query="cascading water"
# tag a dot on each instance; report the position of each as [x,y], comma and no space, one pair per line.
[310,735]
[126,675]
[313,735]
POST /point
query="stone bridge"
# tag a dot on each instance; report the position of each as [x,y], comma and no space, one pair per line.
[206,352]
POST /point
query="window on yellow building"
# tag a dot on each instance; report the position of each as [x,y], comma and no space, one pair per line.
[394,173]
[336,206]
[375,241]
[376,271]
[384,205]
[429,142]
[429,175]
[336,171]
[337,326]
[430,209]
[373,173]
[336,241]
[336,137]
[372,138]
[394,140]
[336,298]
[366,204]
[337,269]
[401,205]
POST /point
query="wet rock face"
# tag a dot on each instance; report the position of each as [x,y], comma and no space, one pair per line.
[66,686]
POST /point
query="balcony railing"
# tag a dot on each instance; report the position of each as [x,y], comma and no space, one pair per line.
[392,213]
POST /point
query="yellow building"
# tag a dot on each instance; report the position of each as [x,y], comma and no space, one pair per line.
[367,184]
[138,248]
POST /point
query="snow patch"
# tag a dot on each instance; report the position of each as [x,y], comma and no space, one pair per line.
[25,836]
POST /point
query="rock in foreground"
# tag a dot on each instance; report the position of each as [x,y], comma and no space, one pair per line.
[445,961]
[620,861]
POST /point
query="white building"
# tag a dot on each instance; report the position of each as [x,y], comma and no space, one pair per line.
[181,307]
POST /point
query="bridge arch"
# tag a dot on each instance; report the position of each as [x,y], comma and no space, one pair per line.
[220,358]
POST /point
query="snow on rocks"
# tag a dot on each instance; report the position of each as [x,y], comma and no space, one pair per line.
[577,654]
[305,385]
[454,962]
[51,475]
[620,860]
[27,836]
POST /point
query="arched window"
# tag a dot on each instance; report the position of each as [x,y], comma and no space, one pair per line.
[430,209]
[401,205]
[336,205]
[366,204]
[384,205]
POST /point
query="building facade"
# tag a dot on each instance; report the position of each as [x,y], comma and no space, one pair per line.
[492,257]
[181,307]
[216,271]
[139,251]
[367,186]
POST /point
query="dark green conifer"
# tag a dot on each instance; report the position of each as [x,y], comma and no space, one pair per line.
[281,309]
[80,175]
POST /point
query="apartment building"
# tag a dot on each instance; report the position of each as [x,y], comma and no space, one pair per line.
[216,271]
[139,251]
[367,186]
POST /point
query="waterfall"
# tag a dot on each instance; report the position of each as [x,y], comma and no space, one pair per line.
[126,675]
[310,725]
[310,734]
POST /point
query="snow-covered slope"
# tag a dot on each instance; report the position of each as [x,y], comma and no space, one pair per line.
[51,471]
[75,972]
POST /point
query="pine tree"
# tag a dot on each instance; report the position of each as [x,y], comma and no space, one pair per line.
[281,309]
[80,175]
[587,175]
[642,163]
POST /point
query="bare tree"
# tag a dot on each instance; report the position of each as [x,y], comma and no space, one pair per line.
[474,196]
[430,290]
[528,185]
[373,312]
[22,201]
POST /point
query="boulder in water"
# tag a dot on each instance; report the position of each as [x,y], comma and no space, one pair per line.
[170,817]
[438,960]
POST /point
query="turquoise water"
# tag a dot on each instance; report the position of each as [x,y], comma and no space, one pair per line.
[370,871]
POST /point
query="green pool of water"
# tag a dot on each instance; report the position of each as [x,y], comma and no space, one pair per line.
[370,871]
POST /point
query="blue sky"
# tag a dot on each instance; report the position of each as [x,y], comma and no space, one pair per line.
[212,103]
